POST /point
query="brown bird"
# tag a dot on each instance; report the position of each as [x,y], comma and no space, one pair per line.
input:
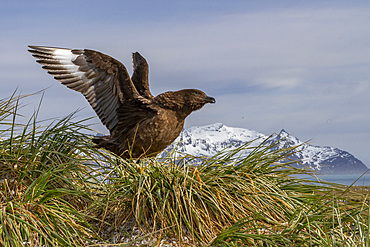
[140,125]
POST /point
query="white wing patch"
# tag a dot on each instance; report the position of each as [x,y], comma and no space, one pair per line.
[66,58]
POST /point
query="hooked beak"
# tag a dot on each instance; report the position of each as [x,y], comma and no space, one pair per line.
[210,100]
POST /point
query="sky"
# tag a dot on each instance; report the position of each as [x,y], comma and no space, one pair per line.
[302,66]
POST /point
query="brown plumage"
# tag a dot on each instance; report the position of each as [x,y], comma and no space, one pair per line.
[140,125]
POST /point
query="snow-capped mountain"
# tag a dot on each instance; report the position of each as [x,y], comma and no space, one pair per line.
[211,139]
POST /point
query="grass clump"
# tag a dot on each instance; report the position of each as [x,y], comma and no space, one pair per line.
[57,190]
[42,182]
[198,201]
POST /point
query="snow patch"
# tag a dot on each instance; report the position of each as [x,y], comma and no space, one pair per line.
[211,139]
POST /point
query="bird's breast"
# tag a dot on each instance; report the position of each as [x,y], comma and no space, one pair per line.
[155,134]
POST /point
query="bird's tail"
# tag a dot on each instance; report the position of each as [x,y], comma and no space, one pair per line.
[104,142]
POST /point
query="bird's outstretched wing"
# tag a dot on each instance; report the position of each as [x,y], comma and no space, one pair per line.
[103,80]
[140,76]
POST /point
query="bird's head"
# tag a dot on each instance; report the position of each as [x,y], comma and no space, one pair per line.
[184,101]
[194,99]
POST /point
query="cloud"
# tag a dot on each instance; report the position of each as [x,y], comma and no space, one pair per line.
[289,48]
[286,48]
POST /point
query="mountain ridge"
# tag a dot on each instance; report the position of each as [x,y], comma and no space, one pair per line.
[210,139]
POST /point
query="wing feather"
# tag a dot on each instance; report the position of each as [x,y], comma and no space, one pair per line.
[103,80]
[140,77]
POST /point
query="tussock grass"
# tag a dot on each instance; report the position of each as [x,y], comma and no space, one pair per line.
[43,181]
[201,199]
[56,190]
